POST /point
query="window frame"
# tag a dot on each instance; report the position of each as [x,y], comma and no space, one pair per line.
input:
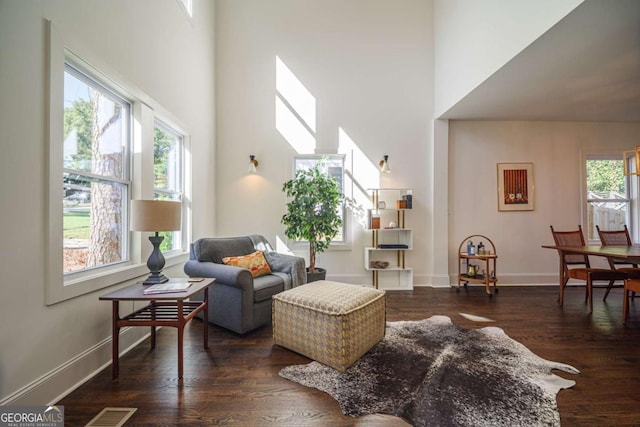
[59,288]
[631,193]
[174,194]
[72,67]
[345,243]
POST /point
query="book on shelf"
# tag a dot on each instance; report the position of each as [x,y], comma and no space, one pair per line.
[167,288]
[392,246]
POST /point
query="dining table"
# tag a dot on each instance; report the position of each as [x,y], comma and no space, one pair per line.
[630,254]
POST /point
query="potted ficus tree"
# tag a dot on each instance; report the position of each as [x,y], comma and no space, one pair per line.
[312,213]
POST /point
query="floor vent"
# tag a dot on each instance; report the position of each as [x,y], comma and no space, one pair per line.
[112,417]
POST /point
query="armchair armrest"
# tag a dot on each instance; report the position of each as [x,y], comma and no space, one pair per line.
[224,274]
[290,264]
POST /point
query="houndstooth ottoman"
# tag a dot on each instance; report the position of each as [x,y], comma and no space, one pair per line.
[330,322]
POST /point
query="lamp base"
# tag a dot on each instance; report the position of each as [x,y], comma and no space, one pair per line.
[155,263]
[155,278]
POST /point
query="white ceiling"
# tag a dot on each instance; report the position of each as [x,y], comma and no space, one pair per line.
[585,68]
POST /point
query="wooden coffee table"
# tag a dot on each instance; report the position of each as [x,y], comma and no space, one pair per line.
[167,309]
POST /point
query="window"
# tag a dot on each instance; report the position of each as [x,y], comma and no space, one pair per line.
[334,167]
[608,199]
[167,175]
[95,174]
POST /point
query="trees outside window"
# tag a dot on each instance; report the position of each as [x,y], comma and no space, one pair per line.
[608,201]
[167,175]
[95,173]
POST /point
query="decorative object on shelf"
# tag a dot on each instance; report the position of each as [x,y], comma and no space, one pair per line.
[253,164]
[312,212]
[408,198]
[393,224]
[382,204]
[480,250]
[155,216]
[472,271]
[515,186]
[375,222]
[392,246]
[401,204]
[471,248]
[379,264]
[384,164]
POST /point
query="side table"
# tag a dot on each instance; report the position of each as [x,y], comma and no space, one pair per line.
[166,309]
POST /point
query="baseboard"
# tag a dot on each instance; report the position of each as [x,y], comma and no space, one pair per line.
[446,281]
[59,382]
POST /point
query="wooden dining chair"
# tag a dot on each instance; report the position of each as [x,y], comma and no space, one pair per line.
[618,238]
[630,286]
[585,272]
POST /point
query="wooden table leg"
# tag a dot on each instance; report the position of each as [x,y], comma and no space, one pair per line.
[181,323]
[561,279]
[205,318]
[115,344]
[153,328]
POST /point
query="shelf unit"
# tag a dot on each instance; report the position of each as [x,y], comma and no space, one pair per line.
[389,242]
[488,260]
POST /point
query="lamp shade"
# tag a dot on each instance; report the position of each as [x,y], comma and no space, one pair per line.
[155,215]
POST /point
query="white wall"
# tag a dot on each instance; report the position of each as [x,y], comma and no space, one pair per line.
[557,150]
[473,39]
[149,44]
[369,67]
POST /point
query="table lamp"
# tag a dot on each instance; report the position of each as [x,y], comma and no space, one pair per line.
[155,216]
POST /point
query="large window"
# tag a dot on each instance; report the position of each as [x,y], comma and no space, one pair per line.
[608,199]
[95,173]
[167,175]
[333,165]
[98,162]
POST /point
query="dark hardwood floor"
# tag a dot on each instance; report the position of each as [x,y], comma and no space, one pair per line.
[236,382]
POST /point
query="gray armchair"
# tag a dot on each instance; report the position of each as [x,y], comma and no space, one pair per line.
[238,301]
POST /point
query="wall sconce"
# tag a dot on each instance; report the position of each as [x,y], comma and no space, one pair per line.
[253,164]
[384,165]
[627,156]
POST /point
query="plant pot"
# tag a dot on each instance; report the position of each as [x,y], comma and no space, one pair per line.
[320,274]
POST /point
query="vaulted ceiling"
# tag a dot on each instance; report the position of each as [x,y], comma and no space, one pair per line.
[585,68]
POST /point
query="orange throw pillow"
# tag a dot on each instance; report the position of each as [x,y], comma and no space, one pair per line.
[254,262]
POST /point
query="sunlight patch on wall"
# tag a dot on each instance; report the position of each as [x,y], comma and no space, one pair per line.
[295,110]
[362,171]
[292,130]
[360,174]
[293,91]
[282,247]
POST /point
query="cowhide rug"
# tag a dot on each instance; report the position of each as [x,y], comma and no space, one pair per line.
[432,373]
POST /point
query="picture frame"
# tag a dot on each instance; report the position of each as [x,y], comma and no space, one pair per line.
[515,187]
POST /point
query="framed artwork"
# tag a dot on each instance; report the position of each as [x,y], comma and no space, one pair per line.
[515,187]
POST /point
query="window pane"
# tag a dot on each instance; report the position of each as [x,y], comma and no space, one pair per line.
[92,222]
[96,169]
[166,159]
[95,128]
[334,167]
[607,199]
[167,175]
